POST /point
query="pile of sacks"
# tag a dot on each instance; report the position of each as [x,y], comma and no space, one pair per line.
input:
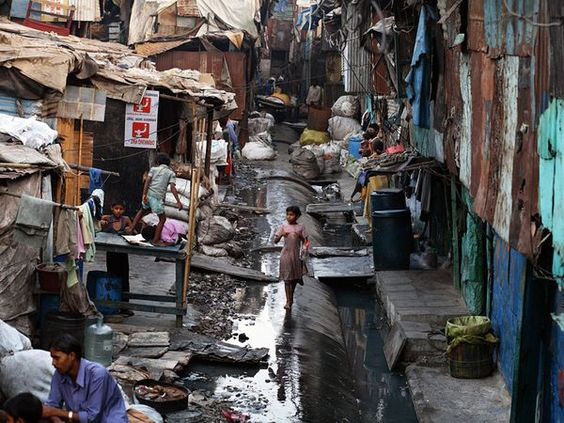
[215,237]
[259,146]
[23,369]
[343,123]
[318,153]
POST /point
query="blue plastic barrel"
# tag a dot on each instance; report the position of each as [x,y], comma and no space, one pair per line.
[103,286]
[47,303]
[354,146]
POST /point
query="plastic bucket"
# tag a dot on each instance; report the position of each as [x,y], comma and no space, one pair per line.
[354,147]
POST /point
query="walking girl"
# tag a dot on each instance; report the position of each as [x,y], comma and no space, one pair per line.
[292,267]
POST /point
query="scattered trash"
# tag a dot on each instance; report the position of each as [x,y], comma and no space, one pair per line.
[233,416]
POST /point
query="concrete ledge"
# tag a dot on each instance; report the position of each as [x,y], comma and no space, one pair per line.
[426,296]
[440,398]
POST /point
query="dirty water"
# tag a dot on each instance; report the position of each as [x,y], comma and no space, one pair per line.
[316,372]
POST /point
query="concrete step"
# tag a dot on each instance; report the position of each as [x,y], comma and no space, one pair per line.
[424,296]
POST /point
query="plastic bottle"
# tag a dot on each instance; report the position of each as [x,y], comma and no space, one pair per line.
[98,341]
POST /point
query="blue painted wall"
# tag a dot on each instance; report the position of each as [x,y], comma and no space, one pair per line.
[509,272]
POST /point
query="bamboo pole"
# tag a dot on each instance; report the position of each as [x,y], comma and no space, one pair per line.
[77,198]
[192,208]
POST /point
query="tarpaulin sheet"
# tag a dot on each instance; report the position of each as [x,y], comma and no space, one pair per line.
[238,14]
[17,261]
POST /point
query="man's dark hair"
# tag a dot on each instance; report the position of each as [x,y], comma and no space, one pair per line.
[294,209]
[67,343]
[162,158]
[369,134]
[378,146]
[25,406]
[148,232]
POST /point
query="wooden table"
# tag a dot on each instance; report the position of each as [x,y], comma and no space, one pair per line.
[116,244]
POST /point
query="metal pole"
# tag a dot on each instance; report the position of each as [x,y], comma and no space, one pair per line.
[209,143]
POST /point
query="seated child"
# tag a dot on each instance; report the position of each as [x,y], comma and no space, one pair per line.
[154,193]
[116,223]
[171,234]
[117,264]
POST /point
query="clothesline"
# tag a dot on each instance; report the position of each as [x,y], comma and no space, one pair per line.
[64,206]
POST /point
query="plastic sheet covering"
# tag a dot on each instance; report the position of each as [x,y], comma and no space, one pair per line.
[144,13]
[470,330]
[17,261]
[238,14]
[30,132]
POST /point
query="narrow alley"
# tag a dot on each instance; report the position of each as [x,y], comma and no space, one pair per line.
[281,211]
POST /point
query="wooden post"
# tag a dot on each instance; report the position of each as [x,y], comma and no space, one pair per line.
[209,143]
[193,204]
[77,197]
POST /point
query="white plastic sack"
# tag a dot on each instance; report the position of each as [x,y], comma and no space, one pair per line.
[332,163]
[171,201]
[259,124]
[11,340]
[340,127]
[150,412]
[215,230]
[258,151]
[218,154]
[27,371]
[183,188]
[30,132]
[346,106]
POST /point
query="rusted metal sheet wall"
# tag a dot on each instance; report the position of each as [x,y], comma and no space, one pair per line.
[213,62]
[465,143]
[506,33]
[357,62]
[551,180]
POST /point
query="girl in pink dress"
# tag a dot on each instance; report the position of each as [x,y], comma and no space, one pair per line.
[291,266]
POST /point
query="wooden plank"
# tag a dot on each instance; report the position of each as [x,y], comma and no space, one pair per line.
[394,344]
[327,208]
[242,207]
[342,267]
[321,252]
[65,128]
[153,339]
[219,265]
[145,352]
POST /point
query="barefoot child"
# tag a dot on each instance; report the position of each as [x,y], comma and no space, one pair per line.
[291,266]
[154,192]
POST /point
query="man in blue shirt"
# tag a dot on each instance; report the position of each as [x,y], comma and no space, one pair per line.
[88,391]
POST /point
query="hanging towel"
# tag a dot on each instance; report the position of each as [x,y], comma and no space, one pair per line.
[95,180]
[33,221]
[88,232]
[67,237]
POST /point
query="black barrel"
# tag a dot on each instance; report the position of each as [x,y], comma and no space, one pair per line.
[392,239]
[57,324]
[387,199]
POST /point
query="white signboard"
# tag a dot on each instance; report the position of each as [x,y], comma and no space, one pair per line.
[141,122]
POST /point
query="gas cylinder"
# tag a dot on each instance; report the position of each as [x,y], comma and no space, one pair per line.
[98,341]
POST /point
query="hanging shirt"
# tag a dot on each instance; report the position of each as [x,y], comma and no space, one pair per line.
[95,395]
